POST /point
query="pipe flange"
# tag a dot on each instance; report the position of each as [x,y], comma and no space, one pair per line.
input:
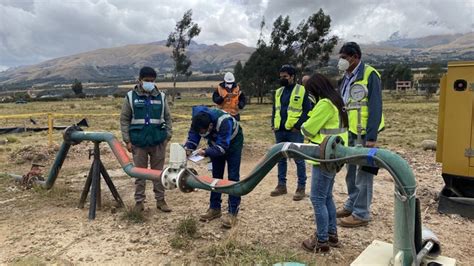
[181,182]
[67,135]
[328,151]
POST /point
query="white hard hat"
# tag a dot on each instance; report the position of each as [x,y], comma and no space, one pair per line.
[229,77]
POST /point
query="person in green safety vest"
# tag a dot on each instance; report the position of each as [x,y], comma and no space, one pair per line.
[328,117]
[290,110]
[145,122]
[356,210]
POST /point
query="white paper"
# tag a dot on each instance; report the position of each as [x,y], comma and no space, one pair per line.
[195,158]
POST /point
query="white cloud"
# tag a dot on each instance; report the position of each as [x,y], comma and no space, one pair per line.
[35,30]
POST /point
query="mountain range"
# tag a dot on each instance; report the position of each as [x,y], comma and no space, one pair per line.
[123,63]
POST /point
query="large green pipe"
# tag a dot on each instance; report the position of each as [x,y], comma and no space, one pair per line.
[58,163]
[74,135]
[265,165]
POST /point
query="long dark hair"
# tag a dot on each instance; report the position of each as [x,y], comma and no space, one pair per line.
[320,87]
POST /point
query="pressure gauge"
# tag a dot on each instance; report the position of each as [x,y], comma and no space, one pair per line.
[358,92]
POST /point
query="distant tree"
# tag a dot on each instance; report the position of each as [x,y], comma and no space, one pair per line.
[238,68]
[313,45]
[77,88]
[430,81]
[179,39]
[392,73]
[304,46]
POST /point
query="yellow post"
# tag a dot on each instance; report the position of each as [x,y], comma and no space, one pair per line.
[50,129]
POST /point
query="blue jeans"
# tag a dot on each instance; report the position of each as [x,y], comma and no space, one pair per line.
[288,136]
[359,187]
[233,168]
[323,203]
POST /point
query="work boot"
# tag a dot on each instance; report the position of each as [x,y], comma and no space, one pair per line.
[139,206]
[229,220]
[299,194]
[279,190]
[210,215]
[341,213]
[162,206]
[313,245]
[351,221]
[333,240]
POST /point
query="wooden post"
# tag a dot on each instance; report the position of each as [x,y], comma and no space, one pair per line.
[50,129]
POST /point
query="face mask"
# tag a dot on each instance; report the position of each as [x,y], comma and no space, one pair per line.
[205,134]
[229,85]
[343,64]
[284,82]
[148,86]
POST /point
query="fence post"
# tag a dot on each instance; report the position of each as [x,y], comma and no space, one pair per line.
[50,129]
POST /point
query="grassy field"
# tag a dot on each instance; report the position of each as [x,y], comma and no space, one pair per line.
[408,122]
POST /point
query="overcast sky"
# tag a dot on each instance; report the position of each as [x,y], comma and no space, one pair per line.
[32,31]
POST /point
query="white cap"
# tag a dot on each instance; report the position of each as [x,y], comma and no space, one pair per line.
[229,77]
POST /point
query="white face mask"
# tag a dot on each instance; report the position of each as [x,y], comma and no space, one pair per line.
[148,86]
[343,64]
[229,85]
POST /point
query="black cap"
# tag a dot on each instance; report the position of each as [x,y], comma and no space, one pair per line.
[200,121]
[351,48]
[147,72]
[291,70]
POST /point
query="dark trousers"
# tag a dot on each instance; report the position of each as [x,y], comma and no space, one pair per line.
[233,159]
[288,136]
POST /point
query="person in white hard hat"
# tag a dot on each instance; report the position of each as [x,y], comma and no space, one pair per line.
[229,97]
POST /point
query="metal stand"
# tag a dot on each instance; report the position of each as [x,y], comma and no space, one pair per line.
[93,183]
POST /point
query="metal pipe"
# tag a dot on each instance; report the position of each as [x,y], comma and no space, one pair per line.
[249,182]
[74,135]
[58,163]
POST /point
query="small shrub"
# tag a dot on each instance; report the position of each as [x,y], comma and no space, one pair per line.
[187,227]
[12,139]
[185,232]
[133,215]
[179,242]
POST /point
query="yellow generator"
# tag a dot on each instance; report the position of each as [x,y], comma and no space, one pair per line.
[455,145]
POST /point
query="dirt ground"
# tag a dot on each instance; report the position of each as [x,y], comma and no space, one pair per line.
[46,227]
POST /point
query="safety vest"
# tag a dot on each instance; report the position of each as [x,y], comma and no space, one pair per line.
[231,102]
[147,127]
[364,105]
[222,115]
[295,107]
[316,132]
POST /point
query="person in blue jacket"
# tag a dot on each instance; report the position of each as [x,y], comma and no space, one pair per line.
[225,141]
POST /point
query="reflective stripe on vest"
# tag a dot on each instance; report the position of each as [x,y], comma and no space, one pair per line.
[235,124]
[142,121]
[363,104]
[294,109]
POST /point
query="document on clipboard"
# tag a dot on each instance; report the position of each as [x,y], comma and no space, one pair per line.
[195,157]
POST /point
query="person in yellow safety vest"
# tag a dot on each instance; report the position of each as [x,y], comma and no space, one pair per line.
[290,110]
[229,97]
[328,117]
[356,210]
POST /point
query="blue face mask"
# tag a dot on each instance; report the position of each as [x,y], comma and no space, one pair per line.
[148,86]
